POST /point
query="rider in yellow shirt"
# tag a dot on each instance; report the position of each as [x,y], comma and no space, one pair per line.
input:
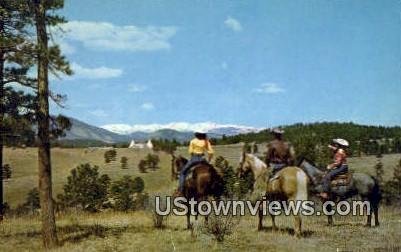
[198,147]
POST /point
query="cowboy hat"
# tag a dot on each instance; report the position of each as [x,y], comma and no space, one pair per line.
[341,142]
[277,131]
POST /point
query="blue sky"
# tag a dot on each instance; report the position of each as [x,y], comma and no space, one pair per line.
[258,63]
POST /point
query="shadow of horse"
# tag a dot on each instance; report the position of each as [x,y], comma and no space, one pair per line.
[287,230]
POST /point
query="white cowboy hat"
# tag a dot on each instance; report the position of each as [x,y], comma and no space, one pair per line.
[277,131]
[341,142]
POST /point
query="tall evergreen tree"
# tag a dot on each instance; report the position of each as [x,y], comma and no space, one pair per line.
[49,58]
[15,61]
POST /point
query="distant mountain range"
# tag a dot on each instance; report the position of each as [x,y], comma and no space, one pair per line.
[118,133]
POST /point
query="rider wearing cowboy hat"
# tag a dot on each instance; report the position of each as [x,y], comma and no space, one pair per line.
[279,153]
[197,149]
[339,166]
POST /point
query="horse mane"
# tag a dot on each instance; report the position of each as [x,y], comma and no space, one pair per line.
[182,159]
[256,159]
[303,158]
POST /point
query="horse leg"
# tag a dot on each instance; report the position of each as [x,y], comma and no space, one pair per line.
[297,225]
[376,212]
[189,225]
[369,219]
[260,213]
[189,220]
[330,217]
[274,227]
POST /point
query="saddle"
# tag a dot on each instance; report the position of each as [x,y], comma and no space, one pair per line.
[191,169]
[342,180]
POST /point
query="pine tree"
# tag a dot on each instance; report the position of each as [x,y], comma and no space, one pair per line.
[15,61]
[379,171]
[397,173]
[48,58]
[124,162]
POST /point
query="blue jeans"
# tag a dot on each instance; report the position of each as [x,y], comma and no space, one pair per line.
[331,174]
[194,159]
[276,167]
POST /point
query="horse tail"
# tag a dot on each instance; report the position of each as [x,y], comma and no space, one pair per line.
[376,195]
[217,186]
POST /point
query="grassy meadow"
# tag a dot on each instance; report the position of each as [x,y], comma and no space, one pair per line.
[133,231]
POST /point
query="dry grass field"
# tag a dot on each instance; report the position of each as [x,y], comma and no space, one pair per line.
[133,231]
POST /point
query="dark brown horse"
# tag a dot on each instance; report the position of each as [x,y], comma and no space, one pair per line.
[176,164]
[202,182]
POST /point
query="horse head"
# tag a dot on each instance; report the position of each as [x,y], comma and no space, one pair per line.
[179,162]
[245,165]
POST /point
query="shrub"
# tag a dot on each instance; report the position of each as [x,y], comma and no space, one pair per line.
[255,148]
[245,184]
[158,220]
[229,177]
[139,185]
[142,166]
[85,188]
[124,162]
[379,171]
[122,191]
[392,189]
[152,160]
[220,226]
[110,155]
[7,171]
[32,200]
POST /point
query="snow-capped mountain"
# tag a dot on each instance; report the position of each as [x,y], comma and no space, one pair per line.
[209,127]
[181,131]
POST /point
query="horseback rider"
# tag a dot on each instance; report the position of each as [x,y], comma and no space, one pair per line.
[280,153]
[339,166]
[197,149]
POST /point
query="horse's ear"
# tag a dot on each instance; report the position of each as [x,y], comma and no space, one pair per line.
[243,154]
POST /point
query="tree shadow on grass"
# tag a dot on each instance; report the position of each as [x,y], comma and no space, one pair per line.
[348,224]
[76,233]
[287,230]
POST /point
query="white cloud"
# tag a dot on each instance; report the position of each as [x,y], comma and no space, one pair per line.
[98,113]
[136,88]
[102,72]
[269,88]
[233,24]
[107,36]
[147,106]
[179,126]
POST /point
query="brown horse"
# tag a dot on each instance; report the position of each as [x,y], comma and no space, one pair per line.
[203,182]
[176,164]
[289,184]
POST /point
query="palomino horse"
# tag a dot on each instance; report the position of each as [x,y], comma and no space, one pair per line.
[288,184]
[250,162]
[204,181]
[361,184]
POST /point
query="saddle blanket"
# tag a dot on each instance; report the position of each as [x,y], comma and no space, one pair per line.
[341,180]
